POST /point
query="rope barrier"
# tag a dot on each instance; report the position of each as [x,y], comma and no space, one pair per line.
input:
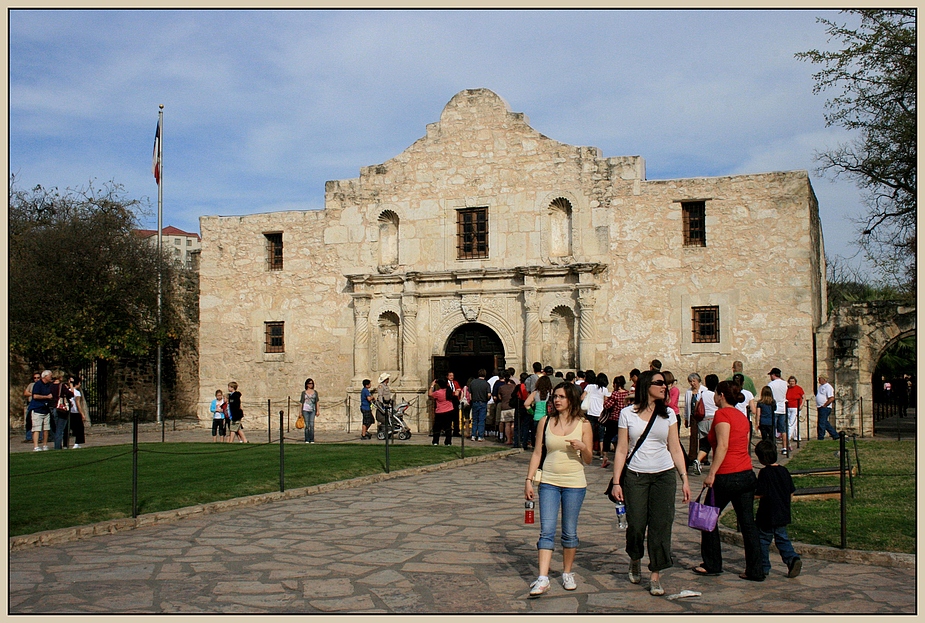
[52,471]
[248,445]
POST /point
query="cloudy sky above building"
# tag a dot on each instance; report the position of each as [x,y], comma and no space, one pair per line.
[262,107]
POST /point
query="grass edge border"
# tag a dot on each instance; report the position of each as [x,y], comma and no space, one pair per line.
[111,526]
[832,554]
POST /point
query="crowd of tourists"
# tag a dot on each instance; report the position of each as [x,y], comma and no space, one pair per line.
[56,407]
[570,419]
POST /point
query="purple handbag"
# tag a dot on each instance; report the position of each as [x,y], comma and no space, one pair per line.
[703,516]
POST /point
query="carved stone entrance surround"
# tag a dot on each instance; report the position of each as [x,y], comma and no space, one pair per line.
[514,303]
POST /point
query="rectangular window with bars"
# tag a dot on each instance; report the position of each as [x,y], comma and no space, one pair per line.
[695,223]
[275,337]
[472,233]
[274,251]
[705,322]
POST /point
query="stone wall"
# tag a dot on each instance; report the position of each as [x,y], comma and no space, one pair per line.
[578,243]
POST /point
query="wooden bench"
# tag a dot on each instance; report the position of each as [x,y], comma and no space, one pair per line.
[817,493]
[822,471]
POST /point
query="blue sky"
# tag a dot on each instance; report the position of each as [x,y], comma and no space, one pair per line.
[262,107]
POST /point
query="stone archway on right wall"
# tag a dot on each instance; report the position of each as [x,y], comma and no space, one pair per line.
[849,346]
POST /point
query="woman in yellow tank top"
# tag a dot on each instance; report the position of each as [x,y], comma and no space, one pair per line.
[568,440]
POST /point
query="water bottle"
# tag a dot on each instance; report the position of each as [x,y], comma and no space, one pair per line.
[620,507]
[528,511]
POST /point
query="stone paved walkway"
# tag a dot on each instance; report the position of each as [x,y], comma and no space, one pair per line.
[447,542]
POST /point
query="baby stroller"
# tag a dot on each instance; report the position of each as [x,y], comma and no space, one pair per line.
[395,415]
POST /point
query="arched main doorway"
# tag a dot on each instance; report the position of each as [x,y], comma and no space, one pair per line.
[469,348]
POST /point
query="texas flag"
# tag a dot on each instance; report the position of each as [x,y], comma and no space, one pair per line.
[156,159]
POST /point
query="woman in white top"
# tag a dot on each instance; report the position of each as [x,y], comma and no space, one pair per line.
[78,414]
[567,447]
[649,485]
[595,391]
[703,427]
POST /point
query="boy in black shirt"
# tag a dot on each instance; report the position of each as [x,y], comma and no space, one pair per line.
[775,486]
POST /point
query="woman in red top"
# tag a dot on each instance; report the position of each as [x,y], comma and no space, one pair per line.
[733,480]
[443,410]
[614,403]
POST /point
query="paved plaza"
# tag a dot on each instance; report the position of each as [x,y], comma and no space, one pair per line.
[450,541]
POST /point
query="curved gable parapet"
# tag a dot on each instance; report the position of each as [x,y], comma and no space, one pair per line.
[476,126]
[478,105]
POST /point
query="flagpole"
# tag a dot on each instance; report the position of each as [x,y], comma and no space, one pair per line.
[160,242]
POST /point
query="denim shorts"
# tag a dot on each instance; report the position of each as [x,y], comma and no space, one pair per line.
[780,422]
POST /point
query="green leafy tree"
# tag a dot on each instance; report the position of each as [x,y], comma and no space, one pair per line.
[874,78]
[82,285]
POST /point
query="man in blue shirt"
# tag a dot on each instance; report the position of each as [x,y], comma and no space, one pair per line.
[40,406]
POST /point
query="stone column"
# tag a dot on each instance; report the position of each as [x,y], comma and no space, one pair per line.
[586,300]
[409,312]
[533,330]
[360,337]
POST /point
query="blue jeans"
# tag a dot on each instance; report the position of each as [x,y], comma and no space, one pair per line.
[784,546]
[823,426]
[309,417]
[527,431]
[479,410]
[551,498]
[61,426]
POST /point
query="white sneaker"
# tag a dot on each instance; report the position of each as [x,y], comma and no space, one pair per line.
[76,445]
[540,586]
[655,588]
[44,448]
[697,468]
[36,449]
[568,581]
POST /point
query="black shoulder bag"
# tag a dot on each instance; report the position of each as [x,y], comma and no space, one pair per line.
[638,445]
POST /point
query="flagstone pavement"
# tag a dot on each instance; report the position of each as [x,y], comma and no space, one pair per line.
[451,541]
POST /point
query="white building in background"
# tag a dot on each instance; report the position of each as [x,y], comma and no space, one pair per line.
[183,246]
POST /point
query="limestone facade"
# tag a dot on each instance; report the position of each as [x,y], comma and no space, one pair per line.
[581,262]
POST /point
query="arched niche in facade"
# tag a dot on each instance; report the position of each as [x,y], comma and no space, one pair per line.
[388,239]
[562,338]
[560,227]
[388,342]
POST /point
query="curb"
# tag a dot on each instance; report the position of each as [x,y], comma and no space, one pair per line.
[834,554]
[76,533]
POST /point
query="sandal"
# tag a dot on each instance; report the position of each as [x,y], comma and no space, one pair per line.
[701,571]
[745,576]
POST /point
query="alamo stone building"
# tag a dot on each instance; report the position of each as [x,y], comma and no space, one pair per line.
[486,243]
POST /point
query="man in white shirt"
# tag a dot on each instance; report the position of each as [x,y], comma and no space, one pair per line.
[779,389]
[825,396]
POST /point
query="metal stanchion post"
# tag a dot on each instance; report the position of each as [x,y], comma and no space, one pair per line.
[134,463]
[861,405]
[388,435]
[269,422]
[282,457]
[842,453]
[288,407]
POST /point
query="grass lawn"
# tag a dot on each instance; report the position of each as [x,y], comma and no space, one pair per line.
[60,489]
[880,517]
